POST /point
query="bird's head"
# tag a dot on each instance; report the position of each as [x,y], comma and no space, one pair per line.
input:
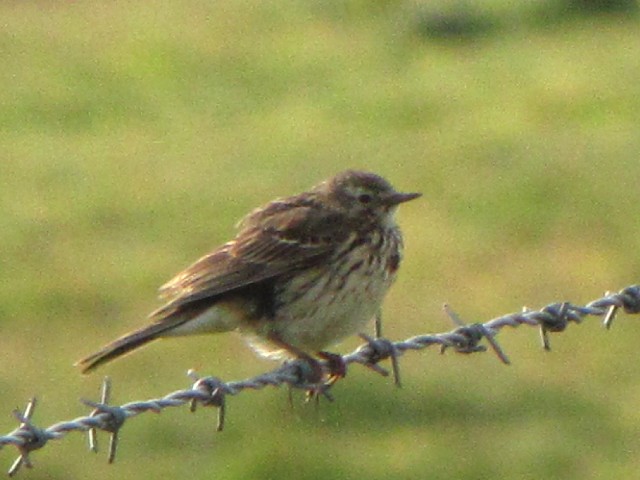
[364,196]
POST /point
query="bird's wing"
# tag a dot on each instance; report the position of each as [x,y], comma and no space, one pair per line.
[274,241]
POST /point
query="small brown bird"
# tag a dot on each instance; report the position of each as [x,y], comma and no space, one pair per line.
[302,273]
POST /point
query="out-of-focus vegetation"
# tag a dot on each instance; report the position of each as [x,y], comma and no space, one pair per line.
[133,136]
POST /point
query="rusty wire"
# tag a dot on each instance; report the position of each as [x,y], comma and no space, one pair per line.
[211,391]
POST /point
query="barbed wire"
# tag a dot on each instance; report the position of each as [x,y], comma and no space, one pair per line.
[316,378]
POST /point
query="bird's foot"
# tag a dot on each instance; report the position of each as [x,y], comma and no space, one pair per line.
[333,370]
[312,377]
[336,366]
[315,376]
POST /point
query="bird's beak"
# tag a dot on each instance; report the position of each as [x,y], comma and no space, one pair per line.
[398,198]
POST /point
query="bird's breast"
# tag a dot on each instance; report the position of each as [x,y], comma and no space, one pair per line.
[320,306]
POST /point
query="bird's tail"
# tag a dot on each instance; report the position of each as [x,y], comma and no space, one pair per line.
[122,345]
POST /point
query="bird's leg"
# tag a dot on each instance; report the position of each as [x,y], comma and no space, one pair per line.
[335,364]
[377,325]
[317,372]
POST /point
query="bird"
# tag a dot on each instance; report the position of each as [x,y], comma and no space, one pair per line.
[302,273]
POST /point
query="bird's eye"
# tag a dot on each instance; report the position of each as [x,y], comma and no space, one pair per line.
[365,198]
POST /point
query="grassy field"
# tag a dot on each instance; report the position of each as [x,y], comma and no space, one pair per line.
[134,136]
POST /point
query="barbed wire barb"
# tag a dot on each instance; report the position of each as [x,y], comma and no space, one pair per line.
[299,374]
[114,419]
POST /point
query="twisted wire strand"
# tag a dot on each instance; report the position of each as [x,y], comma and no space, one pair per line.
[300,374]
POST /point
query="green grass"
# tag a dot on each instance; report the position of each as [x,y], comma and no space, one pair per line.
[134,136]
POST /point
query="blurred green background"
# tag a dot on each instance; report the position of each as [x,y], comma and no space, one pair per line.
[134,135]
